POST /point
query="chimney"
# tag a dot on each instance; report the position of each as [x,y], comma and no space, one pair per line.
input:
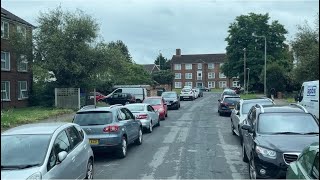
[178,52]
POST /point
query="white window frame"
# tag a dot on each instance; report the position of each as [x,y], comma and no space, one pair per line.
[22,60]
[2,29]
[6,61]
[235,83]
[221,64]
[211,84]
[188,83]
[177,84]
[222,76]
[222,86]
[6,90]
[211,66]
[211,75]
[188,76]
[22,30]
[177,76]
[188,66]
[177,66]
[199,65]
[20,90]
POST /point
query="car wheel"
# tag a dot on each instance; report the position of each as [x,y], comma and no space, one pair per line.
[232,128]
[244,155]
[220,113]
[122,152]
[252,169]
[140,138]
[158,124]
[89,173]
[166,114]
[150,127]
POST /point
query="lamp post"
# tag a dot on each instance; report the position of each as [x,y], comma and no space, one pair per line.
[244,69]
[160,59]
[248,80]
[265,62]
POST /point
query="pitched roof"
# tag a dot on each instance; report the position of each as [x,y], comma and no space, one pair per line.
[8,15]
[150,67]
[197,58]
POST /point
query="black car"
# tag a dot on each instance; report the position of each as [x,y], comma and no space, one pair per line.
[274,136]
[227,104]
[120,98]
[172,99]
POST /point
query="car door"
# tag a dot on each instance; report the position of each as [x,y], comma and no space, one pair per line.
[128,123]
[56,169]
[153,114]
[165,106]
[236,116]
[135,123]
[246,134]
[252,122]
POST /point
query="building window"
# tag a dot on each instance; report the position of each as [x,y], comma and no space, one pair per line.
[222,84]
[188,75]
[23,90]
[177,76]
[177,67]
[5,90]
[211,75]
[22,30]
[211,84]
[221,64]
[188,66]
[188,84]
[5,61]
[235,84]
[210,66]
[22,63]
[221,75]
[177,85]
[199,66]
[4,29]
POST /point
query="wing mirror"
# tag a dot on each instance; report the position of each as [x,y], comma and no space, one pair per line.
[219,100]
[238,113]
[62,156]
[247,127]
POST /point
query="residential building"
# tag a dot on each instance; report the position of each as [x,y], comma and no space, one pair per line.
[151,68]
[16,75]
[200,70]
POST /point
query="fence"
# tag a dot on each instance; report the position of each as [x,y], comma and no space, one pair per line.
[67,98]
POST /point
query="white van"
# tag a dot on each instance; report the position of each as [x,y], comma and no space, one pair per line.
[139,91]
[308,97]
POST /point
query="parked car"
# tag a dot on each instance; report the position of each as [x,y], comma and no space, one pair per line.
[228,92]
[158,103]
[274,136]
[110,128]
[187,93]
[236,89]
[200,92]
[309,97]
[46,151]
[139,92]
[120,98]
[172,99]
[203,88]
[307,165]
[196,93]
[227,104]
[99,96]
[240,112]
[146,114]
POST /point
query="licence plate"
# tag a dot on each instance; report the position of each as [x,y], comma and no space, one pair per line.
[94,141]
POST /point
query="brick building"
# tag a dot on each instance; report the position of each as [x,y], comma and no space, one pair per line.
[200,70]
[16,76]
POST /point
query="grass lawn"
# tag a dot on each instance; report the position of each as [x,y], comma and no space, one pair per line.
[290,100]
[249,96]
[14,117]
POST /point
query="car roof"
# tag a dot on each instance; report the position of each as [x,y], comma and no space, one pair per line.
[231,96]
[154,97]
[282,109]
[133,104]
[244,101]
[36,128]
[169,92]
[92,108]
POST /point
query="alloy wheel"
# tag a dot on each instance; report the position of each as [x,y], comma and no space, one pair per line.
[89,170]
[124,146]
[252,170]
[150,127]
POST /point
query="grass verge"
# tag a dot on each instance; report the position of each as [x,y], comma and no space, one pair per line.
[14,117]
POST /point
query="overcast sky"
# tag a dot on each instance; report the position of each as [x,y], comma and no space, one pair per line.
[150,26]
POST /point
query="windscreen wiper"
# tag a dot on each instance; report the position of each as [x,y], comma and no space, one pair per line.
[288,132]
[312,133]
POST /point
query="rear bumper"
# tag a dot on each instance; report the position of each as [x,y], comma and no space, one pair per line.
[110,142]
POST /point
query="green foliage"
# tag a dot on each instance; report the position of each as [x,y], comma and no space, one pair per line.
[240,37]
[276,77]
[164,63]
[163,77]
[123,49]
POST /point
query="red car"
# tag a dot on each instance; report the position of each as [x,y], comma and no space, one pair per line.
[99,96]
[158,104]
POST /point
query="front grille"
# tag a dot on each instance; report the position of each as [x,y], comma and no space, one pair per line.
[290,157]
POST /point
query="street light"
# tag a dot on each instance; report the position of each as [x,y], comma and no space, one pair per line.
[244,69]
[248,80]
[265,62]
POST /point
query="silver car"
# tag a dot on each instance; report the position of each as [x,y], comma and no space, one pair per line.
[239,113]
[146,114]
[46,151]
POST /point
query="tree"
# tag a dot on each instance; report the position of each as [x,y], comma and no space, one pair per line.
[240,37]
[306,50]
[164,63]
[277,77]
[123,49]
[163,76]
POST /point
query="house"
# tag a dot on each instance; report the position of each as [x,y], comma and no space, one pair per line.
[151,68]
[16,76]
[200,70]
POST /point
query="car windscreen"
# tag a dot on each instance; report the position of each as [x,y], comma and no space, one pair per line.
[274,123]
[93,118]
[247,106]
[186,90]
[169,95]
[231,99]
[136,107]
[153,101]
[19,151]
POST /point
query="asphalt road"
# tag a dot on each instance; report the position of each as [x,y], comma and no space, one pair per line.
[194,142]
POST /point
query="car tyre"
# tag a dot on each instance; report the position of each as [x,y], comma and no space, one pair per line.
[122,151]
[158,124]
[140,138]
[252,169]
[150,128]
[244,155]
[89,173]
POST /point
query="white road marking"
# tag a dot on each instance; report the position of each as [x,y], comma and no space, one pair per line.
[171,136]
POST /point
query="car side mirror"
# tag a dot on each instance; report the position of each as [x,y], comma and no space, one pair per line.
[247,127]
[62,156]
[238,113]
[219,100]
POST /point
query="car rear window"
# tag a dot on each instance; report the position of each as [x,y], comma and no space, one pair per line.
[271,123]
[152,101]
[93,118]
[135,107]
[231,99]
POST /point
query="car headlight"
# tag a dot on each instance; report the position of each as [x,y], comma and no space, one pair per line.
[35,176]
[266,152]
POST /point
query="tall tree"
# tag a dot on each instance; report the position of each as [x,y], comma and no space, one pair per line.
[163,76]
[164,63]
[123,49]
[240,37]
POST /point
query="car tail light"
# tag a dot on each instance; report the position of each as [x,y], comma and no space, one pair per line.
[114,128]
[142,116]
